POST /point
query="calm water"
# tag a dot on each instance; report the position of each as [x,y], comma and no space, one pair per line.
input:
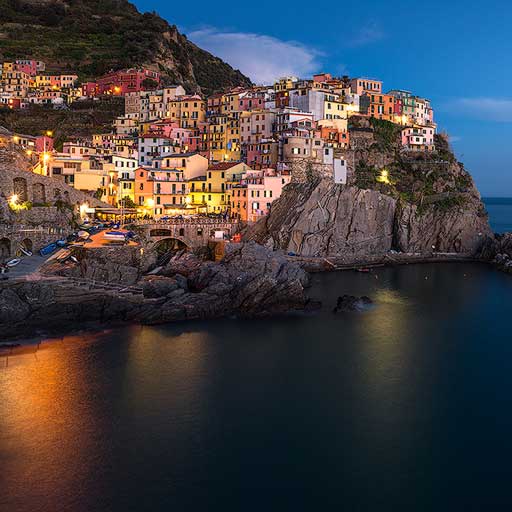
[403,407]
[500,213]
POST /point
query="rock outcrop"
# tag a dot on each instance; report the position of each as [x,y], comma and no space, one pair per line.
[406,202]
[249,281]
[498,251]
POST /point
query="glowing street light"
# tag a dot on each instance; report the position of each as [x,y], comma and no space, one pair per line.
[384,177]
[83,210]
[49,133]
[13,200]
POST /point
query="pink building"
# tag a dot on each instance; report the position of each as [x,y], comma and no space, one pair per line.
[251,101]
[262,154]
[44,143]
[256,125]
[27,66]
[418,138]
[253,196]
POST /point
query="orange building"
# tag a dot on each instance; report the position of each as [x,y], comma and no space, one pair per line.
[380,106]
[335,137]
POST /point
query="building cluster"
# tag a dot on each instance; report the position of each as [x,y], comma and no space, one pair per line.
[230,153]
[25,82]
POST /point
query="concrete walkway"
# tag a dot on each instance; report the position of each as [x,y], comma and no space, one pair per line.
[28,265]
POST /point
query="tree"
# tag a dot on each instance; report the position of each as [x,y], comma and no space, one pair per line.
[149,84]
[127,202]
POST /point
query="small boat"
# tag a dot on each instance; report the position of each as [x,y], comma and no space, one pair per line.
[83,234]
[63,255]
[119,236]
[13,262]
[73,259]
[25,251]
[48,249]
[61,243]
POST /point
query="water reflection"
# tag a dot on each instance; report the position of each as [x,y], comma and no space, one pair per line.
[351,411]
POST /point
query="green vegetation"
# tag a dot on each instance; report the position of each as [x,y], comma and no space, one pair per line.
[443,149]
[386,133]
[82,119]
[92,37]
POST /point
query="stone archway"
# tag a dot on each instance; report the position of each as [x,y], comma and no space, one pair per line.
[5,248]
[20,189]
[38,193]
[167,245]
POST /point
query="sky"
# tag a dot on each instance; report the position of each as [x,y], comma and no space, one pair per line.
[456,53]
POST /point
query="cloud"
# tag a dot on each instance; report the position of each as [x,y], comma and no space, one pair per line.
[367,34]
[481,108]
[263,58]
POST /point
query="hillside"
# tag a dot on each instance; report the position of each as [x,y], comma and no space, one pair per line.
[95,36]
[82,119]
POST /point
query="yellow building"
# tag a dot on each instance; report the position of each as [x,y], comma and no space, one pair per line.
[285,83]
[188,111]
[334,108]
[211,193]
[224,138]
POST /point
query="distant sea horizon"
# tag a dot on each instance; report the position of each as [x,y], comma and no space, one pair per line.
[500,213]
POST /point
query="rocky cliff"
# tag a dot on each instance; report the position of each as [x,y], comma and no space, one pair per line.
[94,36]
[249,281]
[406,202]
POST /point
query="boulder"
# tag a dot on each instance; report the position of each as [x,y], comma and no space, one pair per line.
[347,303]
[159,286]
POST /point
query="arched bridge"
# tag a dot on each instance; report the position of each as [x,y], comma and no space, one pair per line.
[192,233]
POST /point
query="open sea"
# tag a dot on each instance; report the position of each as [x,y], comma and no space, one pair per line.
[405,406]
[500,213]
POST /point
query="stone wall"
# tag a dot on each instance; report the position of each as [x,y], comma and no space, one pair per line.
[16,178]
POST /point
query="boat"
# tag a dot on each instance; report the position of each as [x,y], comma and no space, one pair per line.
[61,243]
[119,236]
[73,259]
[83,234]
[13,262]
[63,255]
[25,251]
[48,249]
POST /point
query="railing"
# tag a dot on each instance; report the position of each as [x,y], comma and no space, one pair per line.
[190,221]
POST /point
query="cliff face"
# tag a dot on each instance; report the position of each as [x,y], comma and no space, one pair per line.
[95,36]
[428,203]
[249,281]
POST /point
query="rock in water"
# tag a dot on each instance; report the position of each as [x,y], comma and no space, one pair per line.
[351,303]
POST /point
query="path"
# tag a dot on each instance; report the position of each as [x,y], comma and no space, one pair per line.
[28,265]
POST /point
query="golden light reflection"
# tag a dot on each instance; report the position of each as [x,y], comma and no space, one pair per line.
[47,401]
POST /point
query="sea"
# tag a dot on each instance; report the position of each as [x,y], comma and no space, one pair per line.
[404,406]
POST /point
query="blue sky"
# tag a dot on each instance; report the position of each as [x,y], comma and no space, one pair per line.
[457,53]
